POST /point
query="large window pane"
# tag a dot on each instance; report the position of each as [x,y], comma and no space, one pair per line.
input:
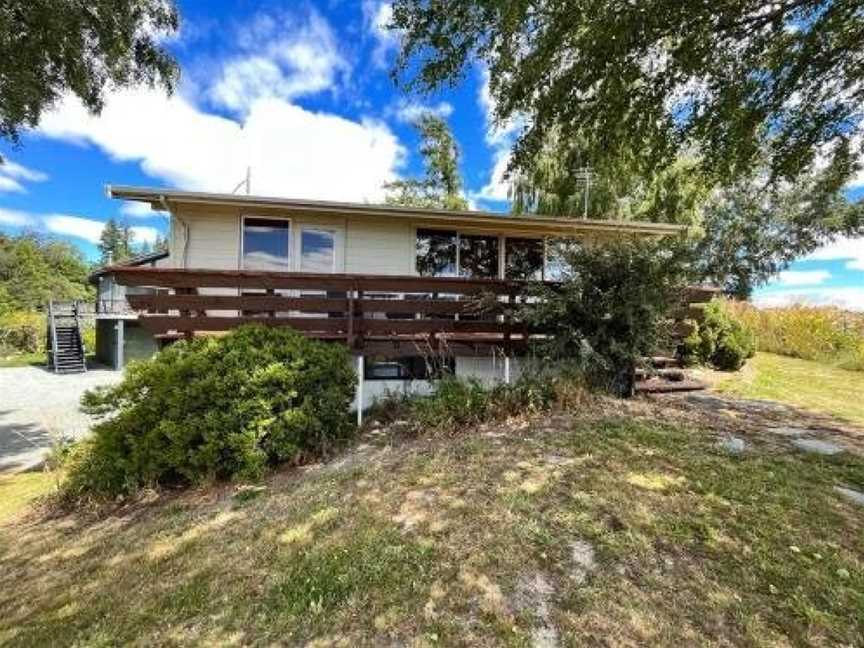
[266,244]
[436,253]
[478,256]
[524,260]
[317,251]
[557,268]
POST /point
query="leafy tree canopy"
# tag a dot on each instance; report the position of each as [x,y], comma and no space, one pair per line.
[441,187]
[34,269]
[554,183]
[753,232]
[725,81]
[50,47]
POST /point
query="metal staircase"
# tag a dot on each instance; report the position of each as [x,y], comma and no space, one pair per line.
[65,342]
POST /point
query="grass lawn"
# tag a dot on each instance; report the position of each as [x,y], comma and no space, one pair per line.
[804,383]
[599,528]
[23,360]
[18,490]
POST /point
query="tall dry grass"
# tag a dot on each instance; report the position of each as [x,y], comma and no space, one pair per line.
[824,334]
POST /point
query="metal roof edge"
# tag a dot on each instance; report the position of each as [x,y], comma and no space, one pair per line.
[156,198]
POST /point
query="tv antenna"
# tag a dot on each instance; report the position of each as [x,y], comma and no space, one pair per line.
[246,181]
[583,177]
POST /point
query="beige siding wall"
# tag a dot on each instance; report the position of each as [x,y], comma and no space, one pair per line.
[379,247]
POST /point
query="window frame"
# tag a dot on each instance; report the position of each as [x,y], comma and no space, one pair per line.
[502,249]
[320,229]
[244,217]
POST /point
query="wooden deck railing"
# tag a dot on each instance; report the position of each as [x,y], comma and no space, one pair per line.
[375,313]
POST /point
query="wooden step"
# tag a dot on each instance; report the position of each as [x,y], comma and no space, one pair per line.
[658,386]
[674,375]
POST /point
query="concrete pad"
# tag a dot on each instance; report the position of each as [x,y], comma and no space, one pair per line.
[816,446]
[39,408]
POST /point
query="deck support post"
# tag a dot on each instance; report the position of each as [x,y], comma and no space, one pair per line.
[507,369]
[359,390]
[119,327]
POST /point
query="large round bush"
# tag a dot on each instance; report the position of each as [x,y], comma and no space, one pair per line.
[721,339]
[215,408]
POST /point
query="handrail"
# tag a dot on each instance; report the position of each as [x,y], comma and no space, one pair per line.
[53,329]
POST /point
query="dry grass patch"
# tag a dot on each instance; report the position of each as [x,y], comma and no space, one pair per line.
[547,531]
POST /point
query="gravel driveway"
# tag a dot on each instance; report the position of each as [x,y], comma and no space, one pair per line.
[37,407]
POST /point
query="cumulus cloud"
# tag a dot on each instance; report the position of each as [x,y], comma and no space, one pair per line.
[280,57]
[139,210]
[844,248]
[12,175]
[410,111]
[293,152]
[377,16]
[847,298]
[16,218]
[500,137]
[803,277]
[87,229]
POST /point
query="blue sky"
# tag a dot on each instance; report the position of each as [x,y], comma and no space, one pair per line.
[300,92]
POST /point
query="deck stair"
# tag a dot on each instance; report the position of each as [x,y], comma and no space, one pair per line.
[65,343]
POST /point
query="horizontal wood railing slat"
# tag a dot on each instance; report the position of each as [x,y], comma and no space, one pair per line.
[308,304]
[191,278]
[164,323]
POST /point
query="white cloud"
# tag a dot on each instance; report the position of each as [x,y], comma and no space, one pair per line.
[16,218]
[143,234]
[9,185]
[499,136]
[13,174]
[282,58]
[377,16]
[87,229]
[803,277]
[138,210]
[848,298]
[498,187]
[844,248]
[411,111]
[292,151]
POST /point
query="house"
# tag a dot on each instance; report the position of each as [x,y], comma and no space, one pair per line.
[119,334]
[386,280]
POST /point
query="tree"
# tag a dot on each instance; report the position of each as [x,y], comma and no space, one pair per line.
[753,232]
[725,81]
[442,185]
[34,269]
[51,47]
[110,243]
[553,183]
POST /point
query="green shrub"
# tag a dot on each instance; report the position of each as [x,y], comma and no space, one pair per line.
[721,340]
[22,332]
[215,408]
[457,403]
[610,309]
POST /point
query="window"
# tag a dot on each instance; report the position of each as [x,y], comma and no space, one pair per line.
[436,253]
[557,268]
[443,253]
[409,368]
[524,259]
[266,244]
[478,256]
[317,251]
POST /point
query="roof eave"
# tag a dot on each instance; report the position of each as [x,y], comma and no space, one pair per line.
[160,198]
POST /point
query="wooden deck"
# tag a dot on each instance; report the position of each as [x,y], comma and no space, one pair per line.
[388,314]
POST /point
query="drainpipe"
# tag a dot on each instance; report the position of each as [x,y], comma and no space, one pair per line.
[185,248]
